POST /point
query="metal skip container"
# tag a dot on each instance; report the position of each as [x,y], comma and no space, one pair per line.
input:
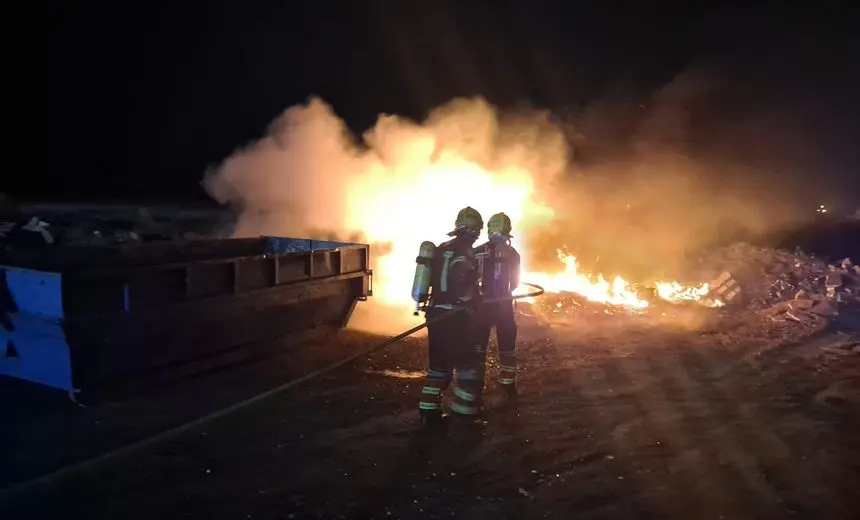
[80,318]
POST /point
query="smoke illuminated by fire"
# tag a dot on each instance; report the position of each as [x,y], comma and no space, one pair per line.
[404,183]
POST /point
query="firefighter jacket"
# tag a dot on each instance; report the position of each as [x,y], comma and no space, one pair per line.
[455,274]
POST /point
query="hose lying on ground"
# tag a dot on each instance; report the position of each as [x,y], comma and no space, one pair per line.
[182,428]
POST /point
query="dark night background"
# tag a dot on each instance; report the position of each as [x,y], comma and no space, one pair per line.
[131,101]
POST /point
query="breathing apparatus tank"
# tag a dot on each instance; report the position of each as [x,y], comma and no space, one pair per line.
[423,274]
[502,263]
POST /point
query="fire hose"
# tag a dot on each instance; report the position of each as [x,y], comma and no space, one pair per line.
[538,291]
[182,428]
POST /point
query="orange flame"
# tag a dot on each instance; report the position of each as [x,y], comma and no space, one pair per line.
[616,292]
[406,209]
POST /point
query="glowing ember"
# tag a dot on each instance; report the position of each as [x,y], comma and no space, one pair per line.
[675,292]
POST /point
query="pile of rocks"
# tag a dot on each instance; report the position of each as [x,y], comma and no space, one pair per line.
[783,285]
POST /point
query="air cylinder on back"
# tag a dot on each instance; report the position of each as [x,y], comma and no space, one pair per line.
[423,273]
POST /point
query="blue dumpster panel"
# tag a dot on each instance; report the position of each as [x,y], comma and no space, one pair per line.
[36,350]
[34,292]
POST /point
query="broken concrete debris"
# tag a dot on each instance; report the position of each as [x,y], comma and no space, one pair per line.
[832,282]
[725,287]
[795,309]
[781,285]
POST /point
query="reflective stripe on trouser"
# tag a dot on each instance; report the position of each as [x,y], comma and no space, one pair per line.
[508,374]
[444,337]
[507,367]
[467,393]
[431,394]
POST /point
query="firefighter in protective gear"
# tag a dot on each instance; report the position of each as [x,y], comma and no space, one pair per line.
[499,263]
[451,352]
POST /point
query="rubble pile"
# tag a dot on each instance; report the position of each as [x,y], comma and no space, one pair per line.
[751,282]
[784,285]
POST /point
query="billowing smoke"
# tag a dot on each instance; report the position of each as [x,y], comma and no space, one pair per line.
[625,185]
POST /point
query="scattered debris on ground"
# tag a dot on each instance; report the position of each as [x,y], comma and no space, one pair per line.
[771,276]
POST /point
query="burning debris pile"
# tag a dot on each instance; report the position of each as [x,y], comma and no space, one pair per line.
[745,281]
[563,304]
[571,292]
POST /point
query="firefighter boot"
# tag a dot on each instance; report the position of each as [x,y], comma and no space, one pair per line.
[510,391]
[433,420]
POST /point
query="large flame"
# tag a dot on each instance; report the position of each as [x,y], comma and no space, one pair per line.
[405,210]
[594,288]
[406,182]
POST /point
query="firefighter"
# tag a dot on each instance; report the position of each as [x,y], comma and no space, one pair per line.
[454,285]
[499,263]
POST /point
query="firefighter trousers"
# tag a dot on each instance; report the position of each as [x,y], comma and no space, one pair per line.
[501,316]
[451,356]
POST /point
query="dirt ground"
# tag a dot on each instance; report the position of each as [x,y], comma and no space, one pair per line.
[614,421]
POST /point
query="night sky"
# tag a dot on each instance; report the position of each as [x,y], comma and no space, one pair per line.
[132,101]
